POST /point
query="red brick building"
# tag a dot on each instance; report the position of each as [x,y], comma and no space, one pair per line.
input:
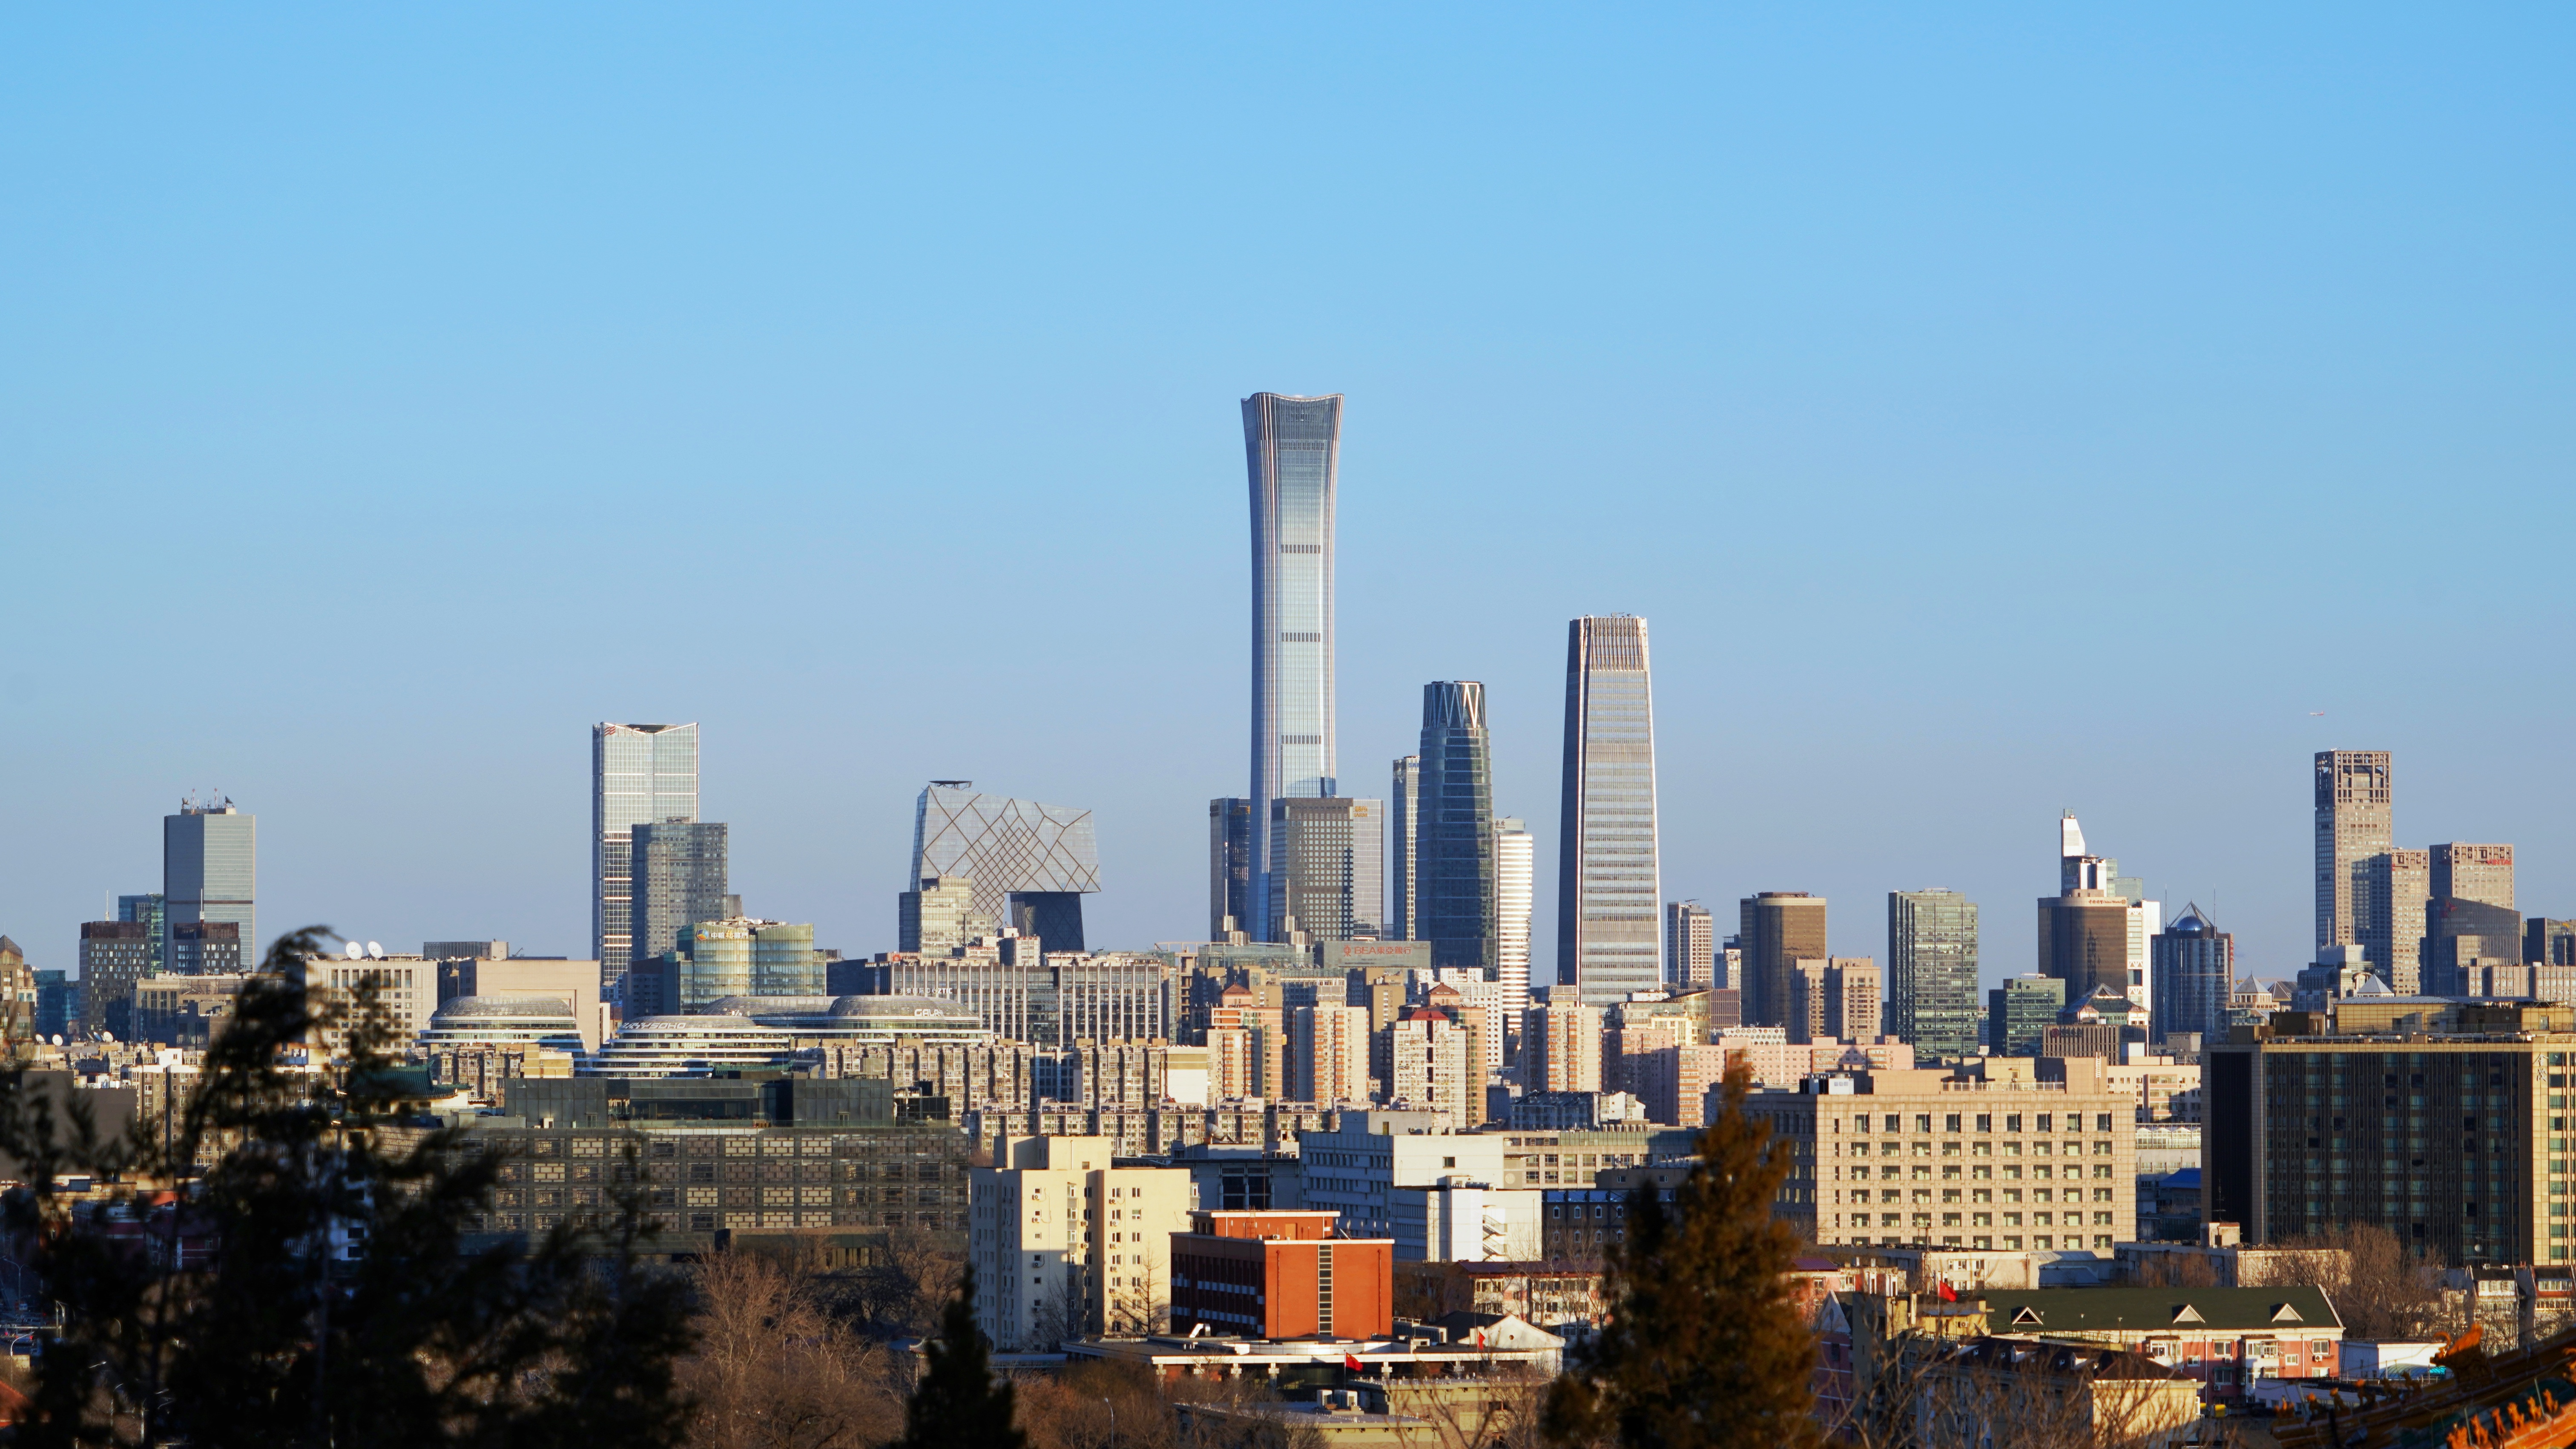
[1280,1275]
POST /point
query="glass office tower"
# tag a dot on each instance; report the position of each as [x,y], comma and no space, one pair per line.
[640,774]
[209,872]
[1609,893]
[1454,838]
[1403,806]
[1932,972]
[1292,452]
[679,879]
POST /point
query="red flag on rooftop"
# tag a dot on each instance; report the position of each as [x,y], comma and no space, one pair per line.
[1351,1362]
[1948,1293]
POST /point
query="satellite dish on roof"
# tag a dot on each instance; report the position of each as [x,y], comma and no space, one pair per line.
[353,950]
[375,952]
[58,1038]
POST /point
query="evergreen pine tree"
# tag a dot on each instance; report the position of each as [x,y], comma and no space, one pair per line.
[957,1402]
[328,1294]
[1704,1348]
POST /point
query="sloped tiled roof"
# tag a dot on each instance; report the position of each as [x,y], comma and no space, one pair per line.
[2135,1310]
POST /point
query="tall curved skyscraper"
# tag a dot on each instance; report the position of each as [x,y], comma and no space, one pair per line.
[1292,452]
[1455,898]
[1608,888]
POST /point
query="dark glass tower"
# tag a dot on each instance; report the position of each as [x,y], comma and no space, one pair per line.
[1454,898]
[1292,454]
[1932,972]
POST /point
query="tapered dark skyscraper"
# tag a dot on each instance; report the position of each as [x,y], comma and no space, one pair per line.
[1292,452]
[1454,897]
[1608,890]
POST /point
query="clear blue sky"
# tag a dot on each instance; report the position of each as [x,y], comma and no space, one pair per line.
[1994,410]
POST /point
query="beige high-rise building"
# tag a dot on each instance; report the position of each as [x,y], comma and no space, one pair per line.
[2482,873]
[1328,1054]
[1431,1068]
[1690,945]
[1990,1159]
[1065,1244]
[1561,1048]
[2354,823]
[1780,929]
[1836,999]
[1515,896]
[2400,882]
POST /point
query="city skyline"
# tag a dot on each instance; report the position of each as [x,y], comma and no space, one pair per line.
[1913,396]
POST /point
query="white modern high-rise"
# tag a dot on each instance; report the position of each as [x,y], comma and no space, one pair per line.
[1609,898]
[1515,898]
[210,872]
[1292,454]
[640,774]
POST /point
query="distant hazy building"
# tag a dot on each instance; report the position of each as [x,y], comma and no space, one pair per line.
[1229,866]
[1403,813]
[1932,972]
[939,915]
[2473,873]
[1835,999]
[1515,899]
[679,870]
[114,955]
[2354,822]
[1456,895]
[2548,943]
[2467,935]
[1609,886]
[639,774]
[1031,863]
[1690,944]
[2018,1011]
[485,950]
[2095,931]
[737,957]
[210,870]
[1328,1054]
[1779,929]
[205,948]
[2396,887]
[1292,457]
[1327,855]
[57,1002]
[2195,976]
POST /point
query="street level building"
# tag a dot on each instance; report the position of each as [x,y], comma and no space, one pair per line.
[1066,1243]
[1280,1274]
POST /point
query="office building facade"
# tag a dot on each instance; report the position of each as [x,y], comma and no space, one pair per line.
[2195,976]
[679,870]
[2397,887]
[1932,972]
[1328,1054]
[939,916]
[2444,1141]
[114,955]
[210,871]
[1292,455]
[1403,810]
[2018,1011]
[204,948]
[1835,999]
[1031,863]
[1328,853]
[1456,896]
[1515,900]
[1778,930]
[2354,821]
[639,774]
[1609,885]
[151,911]
[1690,945]
[1230,872]
[2472,873]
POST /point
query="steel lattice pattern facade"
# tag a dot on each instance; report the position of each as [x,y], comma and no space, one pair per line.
[1006,847]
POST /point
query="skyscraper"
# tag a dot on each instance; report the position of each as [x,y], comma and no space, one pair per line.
[1327,857]
[1454,840]
[2397,885]
[1292,452]
[152,913]
[1403,808]
[1608,888]
[210,872]
[2195,975]
[1932,972]
[639,774]
[1229,866]
[679,873]
[2470,920]
[1031,864]
[2473,873]
[2096,931]
[1779,929]
[1690,945]
[2354,823]
[1515,898]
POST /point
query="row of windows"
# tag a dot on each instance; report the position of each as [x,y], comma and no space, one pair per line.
[1985,1121]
